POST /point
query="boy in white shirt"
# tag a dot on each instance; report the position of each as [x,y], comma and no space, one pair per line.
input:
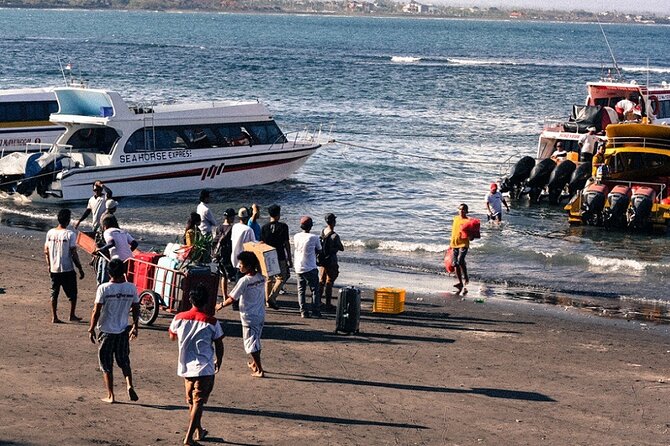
[307,245]
[200,339]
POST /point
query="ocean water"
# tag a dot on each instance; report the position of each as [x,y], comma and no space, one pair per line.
[427,112]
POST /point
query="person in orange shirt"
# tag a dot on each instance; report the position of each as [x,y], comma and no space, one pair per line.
[460,247]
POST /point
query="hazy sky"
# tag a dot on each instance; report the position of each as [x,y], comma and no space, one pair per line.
[661,7]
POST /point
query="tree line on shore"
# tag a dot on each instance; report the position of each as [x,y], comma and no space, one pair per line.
[349,7]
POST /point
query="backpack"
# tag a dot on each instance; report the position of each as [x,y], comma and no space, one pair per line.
[223,248]
[323,256]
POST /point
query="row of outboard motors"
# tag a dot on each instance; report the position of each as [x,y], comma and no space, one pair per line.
[621,207]
[528,178]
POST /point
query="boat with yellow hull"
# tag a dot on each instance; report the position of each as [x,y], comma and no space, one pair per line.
[631,186]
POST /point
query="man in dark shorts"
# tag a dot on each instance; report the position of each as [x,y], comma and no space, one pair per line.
[460,247]
[200,339]
[276,234]
[60,251]
[113,301]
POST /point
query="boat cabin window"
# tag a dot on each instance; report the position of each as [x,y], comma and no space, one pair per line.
[93,139]
[203,136]
[27,111]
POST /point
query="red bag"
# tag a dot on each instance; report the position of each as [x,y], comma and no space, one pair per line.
[449,260]
[470,229]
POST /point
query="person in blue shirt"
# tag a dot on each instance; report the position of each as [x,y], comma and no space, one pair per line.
[253,221]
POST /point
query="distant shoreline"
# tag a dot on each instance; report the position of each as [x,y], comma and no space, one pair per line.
[449,13]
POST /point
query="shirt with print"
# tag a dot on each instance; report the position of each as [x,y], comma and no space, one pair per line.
[276,235]
[122,241]
[196,333]
[305,246]
[59,243]
[250,292]
[116,299]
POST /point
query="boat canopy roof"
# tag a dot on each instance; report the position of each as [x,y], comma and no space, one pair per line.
[27,95]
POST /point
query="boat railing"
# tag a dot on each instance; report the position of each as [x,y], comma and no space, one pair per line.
[637,141]
[661,186]
[306,135]
[553,123]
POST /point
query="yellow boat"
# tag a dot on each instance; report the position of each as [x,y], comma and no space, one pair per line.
[635,176]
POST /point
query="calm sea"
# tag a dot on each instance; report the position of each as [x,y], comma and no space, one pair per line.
[472,93]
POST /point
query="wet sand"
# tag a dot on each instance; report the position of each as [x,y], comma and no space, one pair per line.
[449,371]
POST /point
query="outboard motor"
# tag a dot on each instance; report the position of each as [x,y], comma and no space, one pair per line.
[641,204]
[593,202]
[39,173]
[579,178]
[559,178]
[614,216]
[539,177]
[520,172]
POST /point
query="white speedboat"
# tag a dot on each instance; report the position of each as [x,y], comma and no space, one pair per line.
[155,150]
[24,119]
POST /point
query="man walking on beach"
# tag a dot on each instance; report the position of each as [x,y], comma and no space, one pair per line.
[460,246]
[200,355]
[207,220]
[307,246]
[113,300]
[60,251]
[276,234]
[96,205]
[330,269]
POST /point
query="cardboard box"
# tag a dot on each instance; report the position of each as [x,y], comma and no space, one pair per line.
[267,256]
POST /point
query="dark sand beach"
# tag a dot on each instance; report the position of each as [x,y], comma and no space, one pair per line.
[449,371]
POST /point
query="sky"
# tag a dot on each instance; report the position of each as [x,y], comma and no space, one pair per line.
[659,7]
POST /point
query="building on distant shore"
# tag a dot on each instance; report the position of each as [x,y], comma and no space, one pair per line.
[414,7]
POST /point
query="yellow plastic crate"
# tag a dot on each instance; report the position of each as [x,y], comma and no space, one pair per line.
[389,300]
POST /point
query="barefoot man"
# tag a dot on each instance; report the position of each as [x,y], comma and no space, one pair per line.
[200,354]
[460,247]
[113,301]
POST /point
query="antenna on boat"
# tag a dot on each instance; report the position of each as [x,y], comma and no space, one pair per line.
[616,65]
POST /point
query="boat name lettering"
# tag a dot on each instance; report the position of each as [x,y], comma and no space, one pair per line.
[15,142]
[155,156]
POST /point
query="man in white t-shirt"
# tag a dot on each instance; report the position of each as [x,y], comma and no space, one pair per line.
[113,301]
[119,243]
[200,355]
[96,205]
[240,234]
[207,220]
[60,250]
[587,144]
[494,203]
[306,246]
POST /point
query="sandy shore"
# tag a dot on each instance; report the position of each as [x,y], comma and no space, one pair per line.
[446,372]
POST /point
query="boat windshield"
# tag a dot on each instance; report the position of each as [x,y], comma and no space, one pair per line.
[93,140]
[636,165]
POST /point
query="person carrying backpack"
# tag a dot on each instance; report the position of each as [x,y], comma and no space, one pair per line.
[223,247]
[327,259]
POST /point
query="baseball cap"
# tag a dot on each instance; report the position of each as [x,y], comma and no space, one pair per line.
[494,187]
[305,220]
[591,129]
[243,213]
[111,204]
[230,212]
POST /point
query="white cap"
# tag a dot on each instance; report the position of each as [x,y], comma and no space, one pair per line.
[111,204]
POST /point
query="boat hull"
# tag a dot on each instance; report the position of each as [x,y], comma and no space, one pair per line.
[243,170]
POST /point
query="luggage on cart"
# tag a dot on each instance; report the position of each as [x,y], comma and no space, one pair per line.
[142,272]
[168,283]
[200,275]
[348,315]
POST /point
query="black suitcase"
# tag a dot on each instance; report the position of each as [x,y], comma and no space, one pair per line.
[348,315]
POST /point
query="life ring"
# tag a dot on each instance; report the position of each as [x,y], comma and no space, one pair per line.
[655,105]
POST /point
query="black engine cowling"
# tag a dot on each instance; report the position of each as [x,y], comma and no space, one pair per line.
[593,203]
[619,199]
[641,204]
[559,177]
[579,178]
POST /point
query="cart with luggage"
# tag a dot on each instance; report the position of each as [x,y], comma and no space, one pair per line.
[164,283]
